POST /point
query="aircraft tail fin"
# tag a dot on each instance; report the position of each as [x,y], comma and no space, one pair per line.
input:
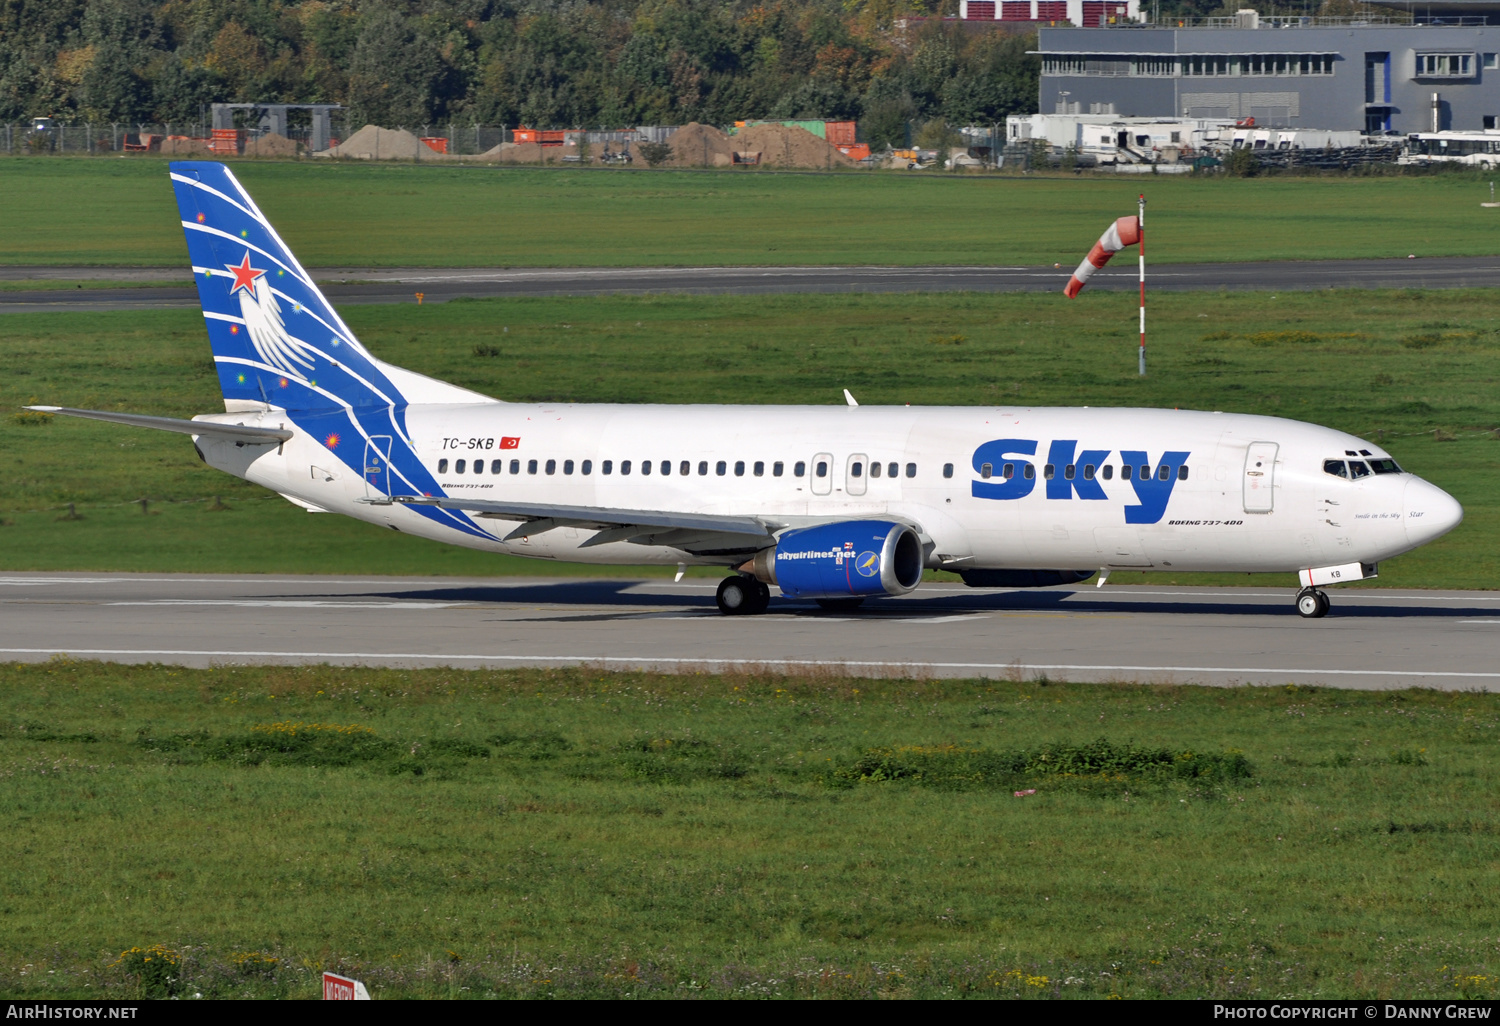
[276,339]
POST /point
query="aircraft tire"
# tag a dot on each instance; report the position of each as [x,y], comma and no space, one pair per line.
[841,604]
[1312,604]
[737,595]
[761,597]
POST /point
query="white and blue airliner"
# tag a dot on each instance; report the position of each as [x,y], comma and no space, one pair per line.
[827,503]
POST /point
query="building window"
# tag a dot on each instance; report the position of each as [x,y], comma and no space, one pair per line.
[1490,63]
[1445,65]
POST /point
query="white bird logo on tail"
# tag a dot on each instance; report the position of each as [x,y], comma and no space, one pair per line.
[262,314]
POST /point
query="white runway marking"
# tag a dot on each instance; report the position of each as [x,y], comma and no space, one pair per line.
[289,604]
[710,661]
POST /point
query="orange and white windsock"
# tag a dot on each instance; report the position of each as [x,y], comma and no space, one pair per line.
[1124,232]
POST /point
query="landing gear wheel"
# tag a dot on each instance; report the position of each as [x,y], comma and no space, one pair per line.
[1325,601]
[843,604]
[1312,604]
[742,596]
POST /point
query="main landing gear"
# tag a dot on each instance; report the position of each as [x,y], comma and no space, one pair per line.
[742,595]
[1312,603]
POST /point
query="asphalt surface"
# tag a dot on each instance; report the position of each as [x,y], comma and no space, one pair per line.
[352,285]
[1374,638]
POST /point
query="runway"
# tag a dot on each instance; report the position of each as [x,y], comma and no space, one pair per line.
[168,288]
[1374,638]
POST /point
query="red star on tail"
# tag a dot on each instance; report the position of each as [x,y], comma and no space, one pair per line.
[244,275]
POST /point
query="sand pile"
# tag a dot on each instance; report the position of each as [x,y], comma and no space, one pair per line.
[270,145]
[524,153]
[182,146]
[784,146]
[695,145]
[374,143]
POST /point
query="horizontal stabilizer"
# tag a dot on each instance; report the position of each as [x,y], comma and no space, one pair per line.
[559,516]
[235,432]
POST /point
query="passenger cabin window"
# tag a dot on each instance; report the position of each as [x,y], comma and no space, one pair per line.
[645,467]
[986,470]
[1125,472]
[1049,472]
[624,467]
[458,468]
[856,469]
[1108,472]
[685,468]
[1088,471]
[1008,471]
[515,466]
[497,466]
[1068,472]
[947,470]
[1029,472]
[703,468]
[911,470]
[531,466]
[759,469]
[798,469]
[777,468]
[567,466]
[1163,472]
[1357,469]
[479,466]
[1145,472]
[721,468]
[874,469]
[893,470]
[551,466]
[666,468]
[607,467]
[442,466]
[821,470]
[1182,472]
[587,468]
[739,468]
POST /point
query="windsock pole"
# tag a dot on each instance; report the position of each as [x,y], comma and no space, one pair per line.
[1141,220]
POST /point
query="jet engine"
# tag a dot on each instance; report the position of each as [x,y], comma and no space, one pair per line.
[849,559]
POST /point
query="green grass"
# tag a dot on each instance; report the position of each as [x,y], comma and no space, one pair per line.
[1398,366]
[586,834]
[121,211]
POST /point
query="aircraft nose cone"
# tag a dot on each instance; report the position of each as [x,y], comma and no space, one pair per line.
[1430,512]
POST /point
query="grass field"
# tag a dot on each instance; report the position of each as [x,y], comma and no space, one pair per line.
[442,833]
[1398,366]
[121,211]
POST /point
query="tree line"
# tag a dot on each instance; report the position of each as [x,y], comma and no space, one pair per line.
[542,63]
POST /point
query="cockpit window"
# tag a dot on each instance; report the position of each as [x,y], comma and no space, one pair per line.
[1384,467]
[1357,469]
[1336,468]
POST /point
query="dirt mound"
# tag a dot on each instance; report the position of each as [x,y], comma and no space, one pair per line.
[787,146]
[695,145]
[183,146]
[375,143]
[270,145]
[514,153]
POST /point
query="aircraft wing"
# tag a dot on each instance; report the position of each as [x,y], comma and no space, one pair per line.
[691,531]
[235,432]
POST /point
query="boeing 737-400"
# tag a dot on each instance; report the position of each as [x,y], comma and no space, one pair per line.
[828,503]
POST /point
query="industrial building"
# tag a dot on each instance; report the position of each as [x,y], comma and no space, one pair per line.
[1322,73]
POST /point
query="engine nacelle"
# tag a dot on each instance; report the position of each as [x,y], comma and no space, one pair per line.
[852,558]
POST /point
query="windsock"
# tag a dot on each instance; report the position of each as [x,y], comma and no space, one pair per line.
[1124,232]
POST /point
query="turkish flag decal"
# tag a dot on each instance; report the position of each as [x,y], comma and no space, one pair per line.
[510,443]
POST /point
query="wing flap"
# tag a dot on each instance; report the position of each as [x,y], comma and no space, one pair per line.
[235,432]
[546,516]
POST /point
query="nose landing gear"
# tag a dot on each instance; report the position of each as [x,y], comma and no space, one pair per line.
[742,595]
[1312,603]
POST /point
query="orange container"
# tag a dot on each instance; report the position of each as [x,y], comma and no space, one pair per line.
[840,133]
[857,151]
[436,143]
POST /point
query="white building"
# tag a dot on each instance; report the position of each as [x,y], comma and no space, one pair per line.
[1081,13]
